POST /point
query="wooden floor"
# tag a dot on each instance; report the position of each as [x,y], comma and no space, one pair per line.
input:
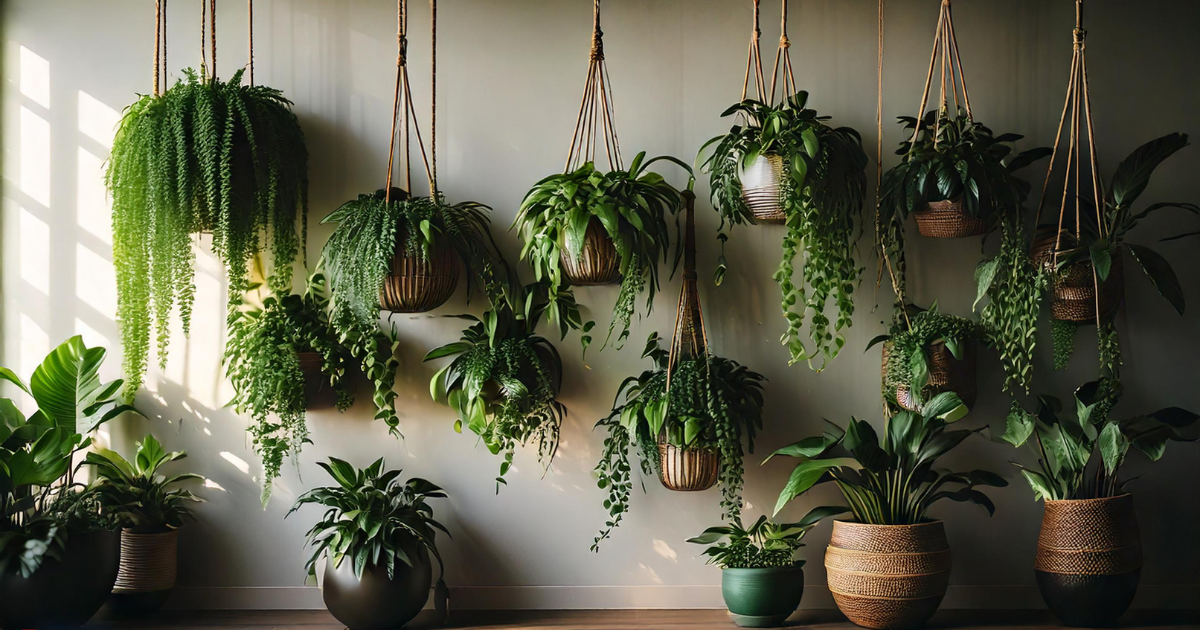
[623,620]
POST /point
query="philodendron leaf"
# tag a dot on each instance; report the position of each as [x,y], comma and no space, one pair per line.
[985,275]
[1042,489]
[1160,273]
[1113,446]
[1018,427]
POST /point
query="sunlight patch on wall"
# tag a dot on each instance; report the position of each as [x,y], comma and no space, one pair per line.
[91,336]
[34,246]
[97,120]
[35,156]
[236,462]
[95,282]
[35,77]
[35,344]
[93,211]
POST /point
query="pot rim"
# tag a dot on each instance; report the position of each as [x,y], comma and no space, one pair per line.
[1122,496]
[931,522]
[766,570]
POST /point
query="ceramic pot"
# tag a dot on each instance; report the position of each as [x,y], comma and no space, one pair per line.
[63,593]
[762,598]
[762,183]
[376,602]
[598,263]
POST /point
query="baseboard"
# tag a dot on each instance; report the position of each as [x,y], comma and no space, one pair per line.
[1020,597]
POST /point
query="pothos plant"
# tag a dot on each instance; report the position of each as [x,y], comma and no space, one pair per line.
[263,364]
[908,344]
[822,192]
[714,403]
[1013,284]
[205,156]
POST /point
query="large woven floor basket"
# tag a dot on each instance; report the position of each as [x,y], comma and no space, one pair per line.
[888,576]
[1074,297]
[1089,559]
[598,263]
[148,569]
[687,469]
[761,188]
[948,219]
[418,284]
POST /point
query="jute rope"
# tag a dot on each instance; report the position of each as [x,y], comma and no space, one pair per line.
[945,51]
[783,56]
[885,261]
[160,45]
[689,339]
[596,110]
[402,106]
[208,39]
[250,28]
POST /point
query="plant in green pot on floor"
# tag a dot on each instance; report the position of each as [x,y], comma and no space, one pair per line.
[152,507]
[1089,554]
[761,579]
[889,483]
[928,352]
[376,537]
[59,552]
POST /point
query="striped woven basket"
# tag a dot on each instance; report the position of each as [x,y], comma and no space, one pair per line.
[598,263]
[1074,296]
[687,469]
[947,219]
[417,284]
[148,562]
[761,188]
[946,374]
[889,577]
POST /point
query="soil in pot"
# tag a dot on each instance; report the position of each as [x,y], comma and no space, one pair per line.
[687,469]
[948,219]
[762,184]
[376,602]
[1089,560]
[889,577]
[63,593]
[417,284]
[147,574]
[762,598]
[598,263]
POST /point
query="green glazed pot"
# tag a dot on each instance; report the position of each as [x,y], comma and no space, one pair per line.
[762,598]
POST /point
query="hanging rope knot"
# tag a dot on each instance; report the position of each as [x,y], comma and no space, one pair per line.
[1080,34]
[690,275]
[784,42]
[597,45]
[402,52]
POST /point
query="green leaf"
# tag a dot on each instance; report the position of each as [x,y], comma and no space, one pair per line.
[1042,487]
[807,473]
[1113,447]
[1160,273]
[1133,174]
[1018,427]
[985,275]
[1101,259]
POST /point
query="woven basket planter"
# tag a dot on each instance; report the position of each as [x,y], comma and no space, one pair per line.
[1089,559]
[417,284]
[888,576]
[1074,291]
[947,219]
[761,188]
[946,374]
[687,469]
[147,573]
[598,263]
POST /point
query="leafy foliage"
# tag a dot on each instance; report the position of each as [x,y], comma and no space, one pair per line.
[1063,335]
[143,499]
[890,479]
[714,403]
[763,545]
[211,156]
[1013,284]
[1081,457]
[630,205]
[372,518]
[910,342]
[822,195]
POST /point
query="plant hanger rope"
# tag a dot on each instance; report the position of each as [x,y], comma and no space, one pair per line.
[945,49]
[689,339]
[754,61]
[160,45]
[403,92]
[250,46]
[885,262]
[783,55]
[208,39]
[597,95]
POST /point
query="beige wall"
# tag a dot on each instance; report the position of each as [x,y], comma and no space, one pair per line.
[509,80]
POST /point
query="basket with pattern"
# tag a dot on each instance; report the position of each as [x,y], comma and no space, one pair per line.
[948,219]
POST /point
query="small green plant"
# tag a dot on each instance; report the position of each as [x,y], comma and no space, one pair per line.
[714,403]
[763,545]
[206,155]
[909,343]
[372,519]
[890,480]
[1081,457]
[1013,284]
[144,500]
[822,193]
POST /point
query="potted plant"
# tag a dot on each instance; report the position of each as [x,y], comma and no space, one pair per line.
[207,155]
[59,552]
[587,227]
[151,508]
[1089,554]
[926,353]
[691,438]
[277,357]
[788,163]
[375,538]
[761,579]
[889,567]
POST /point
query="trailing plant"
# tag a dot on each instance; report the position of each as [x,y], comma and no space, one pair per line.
[714,403]
[1063,335]
[144,500]
[211,156]
[890,479]
[631,206]
[1013,284]
[1081,457]
[822,193]
[909,343]
[372,519]
[763,545]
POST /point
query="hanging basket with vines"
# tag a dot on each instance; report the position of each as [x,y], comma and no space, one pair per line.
[926,353]
[591,227]
[225,158]
[782,161]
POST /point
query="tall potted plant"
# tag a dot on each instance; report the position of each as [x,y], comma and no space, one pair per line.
[151,508]
[1089,555]
[376,537]
[889,567]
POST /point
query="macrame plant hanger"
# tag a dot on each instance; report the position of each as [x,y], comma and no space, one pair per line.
[208,40]
[945,49]
[160,46]
[1079,105]
[783,61]
[754,62]
[402,107]
[688,340]
[596,109]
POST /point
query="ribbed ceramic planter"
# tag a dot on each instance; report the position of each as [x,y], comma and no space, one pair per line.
[889,577]
[376,602]
[948,219]
[417,284]
[63,593]
[598,263]
[762,183]
[147,573]
[1089,559]
[946,374]
[687,469]
[1074,294]
[762,598]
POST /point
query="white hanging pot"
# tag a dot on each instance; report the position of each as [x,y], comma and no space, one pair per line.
[761,188]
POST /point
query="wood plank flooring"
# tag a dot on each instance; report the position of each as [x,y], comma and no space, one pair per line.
[621,620]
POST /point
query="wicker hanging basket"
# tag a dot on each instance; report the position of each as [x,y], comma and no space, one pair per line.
[762,188]
[946,374]
[417,284]
[147,573]
[1089,559]
[598,263]
[687,469]
[890,577]
[948,219]
[1074,297]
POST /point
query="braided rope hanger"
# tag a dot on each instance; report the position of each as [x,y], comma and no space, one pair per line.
[783,55]
[945,48]
[754,60]
[885,261]
[160,44]
[403,93]
[597,95]
[689,339]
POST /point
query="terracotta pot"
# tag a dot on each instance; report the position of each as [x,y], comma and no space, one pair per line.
[888,576]
[1074,297]
[946,374]
[416,284]
[762,188]
[1089,559]
[376,602]
[687,469]
[63,593]
[147,573]
[598,263]
[762,598]
[948,219]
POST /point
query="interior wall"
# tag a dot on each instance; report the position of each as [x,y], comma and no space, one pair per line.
[509,79]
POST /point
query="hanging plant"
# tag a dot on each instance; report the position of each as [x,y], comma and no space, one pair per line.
[928,352]
[1013,285]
